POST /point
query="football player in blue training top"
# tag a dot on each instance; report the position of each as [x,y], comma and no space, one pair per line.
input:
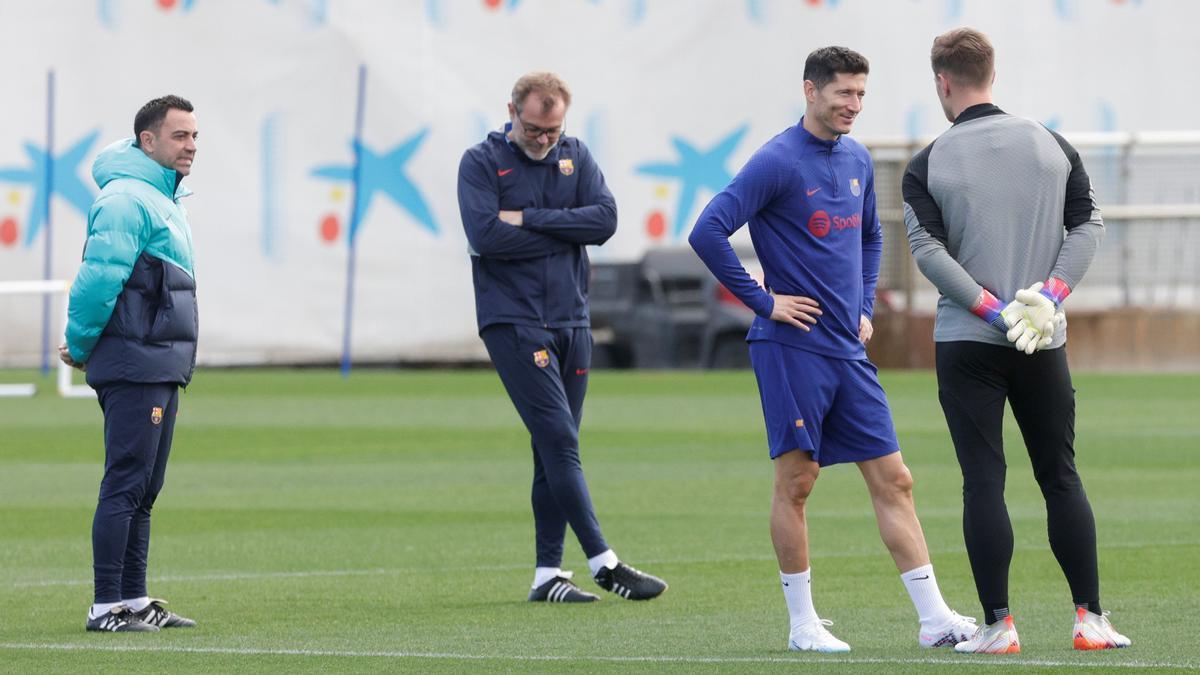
[532,199]
[809,197]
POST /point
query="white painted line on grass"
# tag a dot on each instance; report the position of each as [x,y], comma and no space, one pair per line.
[799,659]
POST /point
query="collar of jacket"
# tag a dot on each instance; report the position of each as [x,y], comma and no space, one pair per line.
[124,160]
[976,111]
[807,137]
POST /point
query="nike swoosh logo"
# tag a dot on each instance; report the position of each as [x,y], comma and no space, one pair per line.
[812,191]
[920,578]
[503,172]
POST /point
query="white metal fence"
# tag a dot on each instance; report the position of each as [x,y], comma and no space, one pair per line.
[1148,188]
[1147,184]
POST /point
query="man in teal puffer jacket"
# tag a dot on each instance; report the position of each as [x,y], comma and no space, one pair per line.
[132,327]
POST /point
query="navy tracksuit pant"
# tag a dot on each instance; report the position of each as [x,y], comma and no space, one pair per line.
[545,371]
[139,421]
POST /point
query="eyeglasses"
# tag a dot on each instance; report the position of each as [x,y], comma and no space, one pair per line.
[532,132]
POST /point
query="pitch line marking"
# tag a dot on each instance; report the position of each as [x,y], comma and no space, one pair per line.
[797,660]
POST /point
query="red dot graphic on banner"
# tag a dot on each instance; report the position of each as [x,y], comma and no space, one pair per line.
[656,225]
[330,227]
[166,4]
[492,4]
[8,231]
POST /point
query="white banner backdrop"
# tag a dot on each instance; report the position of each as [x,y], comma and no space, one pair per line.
[695,85]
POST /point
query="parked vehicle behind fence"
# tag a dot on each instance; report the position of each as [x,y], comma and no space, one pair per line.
[667,311]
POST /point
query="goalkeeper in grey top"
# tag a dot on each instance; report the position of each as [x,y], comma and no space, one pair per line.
[1002,219]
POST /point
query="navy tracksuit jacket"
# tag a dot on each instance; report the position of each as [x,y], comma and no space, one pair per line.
[531,304]
[536,274]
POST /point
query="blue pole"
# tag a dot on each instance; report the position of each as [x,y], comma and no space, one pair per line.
[352,234]
[47,268]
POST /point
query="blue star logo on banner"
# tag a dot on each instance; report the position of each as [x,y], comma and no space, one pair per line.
[65,182]
[384,172]
[696,169]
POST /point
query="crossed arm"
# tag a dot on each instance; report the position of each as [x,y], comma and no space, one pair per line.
[533,232]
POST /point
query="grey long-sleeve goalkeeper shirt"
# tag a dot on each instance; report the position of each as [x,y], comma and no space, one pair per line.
[986,205]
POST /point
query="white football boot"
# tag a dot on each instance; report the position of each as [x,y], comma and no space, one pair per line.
[957,629]
[1094,631]
[812,637]
[995,638]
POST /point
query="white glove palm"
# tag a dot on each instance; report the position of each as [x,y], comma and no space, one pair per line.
[1032,319]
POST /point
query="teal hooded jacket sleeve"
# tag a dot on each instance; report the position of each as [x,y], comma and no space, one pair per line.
[118,232]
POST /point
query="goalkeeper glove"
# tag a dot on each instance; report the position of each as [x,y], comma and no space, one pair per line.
[1041,316]
[1024,321]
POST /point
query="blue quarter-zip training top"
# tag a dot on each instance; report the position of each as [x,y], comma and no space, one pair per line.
[535,274]
[810,204]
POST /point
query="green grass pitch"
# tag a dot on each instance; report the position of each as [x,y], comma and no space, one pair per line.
[381,523]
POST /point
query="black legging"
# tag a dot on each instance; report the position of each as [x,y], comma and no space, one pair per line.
[974,380]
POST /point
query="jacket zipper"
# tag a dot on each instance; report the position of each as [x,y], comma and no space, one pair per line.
[832,174]
[537,194]
[545,291]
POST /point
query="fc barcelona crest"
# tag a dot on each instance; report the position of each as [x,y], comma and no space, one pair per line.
[541,358]
[156,415]
[566,166]
[855,188]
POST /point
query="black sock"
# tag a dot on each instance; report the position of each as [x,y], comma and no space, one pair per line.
[993,613]
[1091,606]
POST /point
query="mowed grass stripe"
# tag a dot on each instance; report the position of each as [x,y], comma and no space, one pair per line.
[285,574]
[388,515]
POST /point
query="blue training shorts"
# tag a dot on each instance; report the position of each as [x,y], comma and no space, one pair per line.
[833,408]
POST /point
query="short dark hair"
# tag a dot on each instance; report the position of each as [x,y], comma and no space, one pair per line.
[151,116]
[964,55]
[823,65]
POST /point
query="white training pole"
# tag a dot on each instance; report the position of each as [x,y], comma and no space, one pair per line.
[66,388]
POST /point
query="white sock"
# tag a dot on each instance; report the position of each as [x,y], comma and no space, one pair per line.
[137,604]
[926,597]
[598,562]
[101,608]
[543,574]
[797,591]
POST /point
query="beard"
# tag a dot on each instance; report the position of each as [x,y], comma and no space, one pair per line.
[536,156]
